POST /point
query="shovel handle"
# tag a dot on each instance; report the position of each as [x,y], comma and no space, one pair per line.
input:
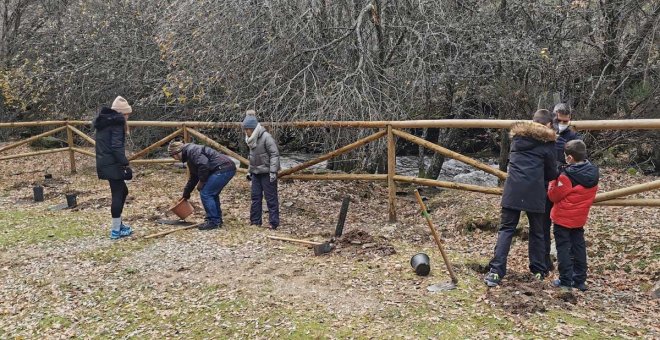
[435,236]
[163,233]
[311,243]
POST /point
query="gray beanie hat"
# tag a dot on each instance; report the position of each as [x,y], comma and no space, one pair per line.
[250,121]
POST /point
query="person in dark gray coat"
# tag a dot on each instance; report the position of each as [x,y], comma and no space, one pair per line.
[262,171]
[532,162]
[110,125]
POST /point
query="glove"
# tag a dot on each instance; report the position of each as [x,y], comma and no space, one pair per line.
[248,177]
[200,186]
[273,177]
[186,196]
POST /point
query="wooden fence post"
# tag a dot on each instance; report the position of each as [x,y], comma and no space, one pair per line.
[186,135]
[72,153]
[391,172]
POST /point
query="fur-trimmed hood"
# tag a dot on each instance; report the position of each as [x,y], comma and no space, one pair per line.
[533,130]
[108,117]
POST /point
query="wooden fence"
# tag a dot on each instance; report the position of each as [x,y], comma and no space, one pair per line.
[391,130]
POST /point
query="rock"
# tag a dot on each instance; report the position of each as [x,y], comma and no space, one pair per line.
[656,290]
[477,178]
[287,204]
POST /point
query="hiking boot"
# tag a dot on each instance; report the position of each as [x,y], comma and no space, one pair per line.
[208,226]
[492,279]
[580,286]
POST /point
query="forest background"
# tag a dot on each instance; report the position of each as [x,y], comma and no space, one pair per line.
[339,60]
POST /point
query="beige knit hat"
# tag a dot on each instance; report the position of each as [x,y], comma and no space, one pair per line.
[174,148]
[121,105]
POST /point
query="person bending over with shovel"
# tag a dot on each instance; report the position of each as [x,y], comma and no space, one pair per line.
[210,171]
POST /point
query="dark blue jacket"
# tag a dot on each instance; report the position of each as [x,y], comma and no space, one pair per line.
[202,162]
[563,138]
[110,144]
[532,163]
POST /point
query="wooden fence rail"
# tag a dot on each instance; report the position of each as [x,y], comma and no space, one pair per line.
[391,130]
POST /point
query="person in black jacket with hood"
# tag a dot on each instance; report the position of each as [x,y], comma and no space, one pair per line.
[210,171]
[562,119]
[532,162]
[110,125]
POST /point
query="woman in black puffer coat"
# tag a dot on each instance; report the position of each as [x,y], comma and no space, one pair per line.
[111,128]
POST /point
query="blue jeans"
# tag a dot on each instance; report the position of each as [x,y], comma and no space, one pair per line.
[210,195]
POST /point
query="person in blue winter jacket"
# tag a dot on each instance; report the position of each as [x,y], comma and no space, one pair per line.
[532,162]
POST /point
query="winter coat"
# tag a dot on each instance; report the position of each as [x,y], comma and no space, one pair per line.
[532,163]
[563,138]
[573,193]
[110,144]
[265,156]
[202,162]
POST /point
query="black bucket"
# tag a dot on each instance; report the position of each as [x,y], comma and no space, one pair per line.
[421,263]
[38,193]
[71,200]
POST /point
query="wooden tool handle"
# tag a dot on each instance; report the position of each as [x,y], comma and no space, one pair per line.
[311,243]
[162,233]
[436,237]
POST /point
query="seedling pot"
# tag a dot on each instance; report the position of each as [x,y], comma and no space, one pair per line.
[182,208]
[38,193]
[421,264]
[71,200]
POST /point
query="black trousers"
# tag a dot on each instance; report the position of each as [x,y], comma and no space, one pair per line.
[119,192]
[571,255]
[536,248]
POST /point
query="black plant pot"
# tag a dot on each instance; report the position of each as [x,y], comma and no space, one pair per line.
[38,193]
[71,200]
[421,263]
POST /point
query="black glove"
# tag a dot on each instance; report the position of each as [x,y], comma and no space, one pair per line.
[248,177]
[186,196]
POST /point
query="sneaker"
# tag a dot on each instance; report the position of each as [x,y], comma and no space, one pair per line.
[115,234]
[557,284]
[125,230]
[492,279]
[208,226]
[272,227]
[580,286]
[539,276]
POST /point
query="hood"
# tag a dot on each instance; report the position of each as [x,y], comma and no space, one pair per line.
[108,117]
[583,173]
[534,131]
[527,135]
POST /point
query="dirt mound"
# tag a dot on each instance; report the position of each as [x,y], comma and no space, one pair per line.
[356,237]
[521,294]
[357,243]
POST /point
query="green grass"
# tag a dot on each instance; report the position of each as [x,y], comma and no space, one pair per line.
[29,227]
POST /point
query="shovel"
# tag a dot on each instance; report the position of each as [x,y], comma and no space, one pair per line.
[320,248]
[454,280]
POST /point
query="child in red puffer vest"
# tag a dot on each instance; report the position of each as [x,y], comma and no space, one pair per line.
[572,193]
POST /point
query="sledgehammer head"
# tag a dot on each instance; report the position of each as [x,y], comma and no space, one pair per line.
[323,248]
